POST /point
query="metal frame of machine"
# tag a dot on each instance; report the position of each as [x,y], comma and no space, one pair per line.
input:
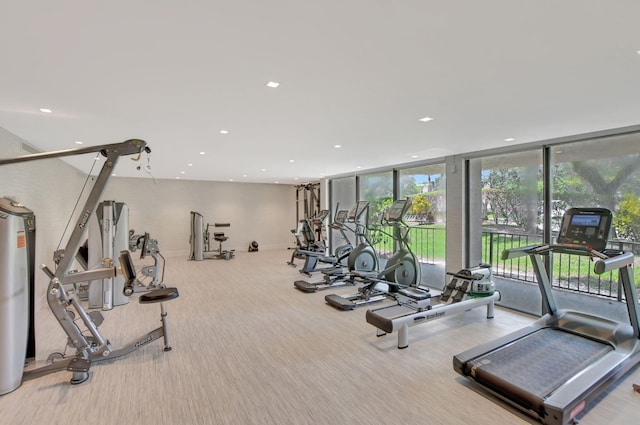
[469,288]
[89,344]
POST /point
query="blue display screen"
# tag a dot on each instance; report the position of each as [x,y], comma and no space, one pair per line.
[587,220]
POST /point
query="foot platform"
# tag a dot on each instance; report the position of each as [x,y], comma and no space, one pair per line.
[305,286]
[339,302]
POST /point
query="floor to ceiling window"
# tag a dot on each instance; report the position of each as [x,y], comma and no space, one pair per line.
[503,206]
[603,172]
[507,214]
[425,185]
[377,189]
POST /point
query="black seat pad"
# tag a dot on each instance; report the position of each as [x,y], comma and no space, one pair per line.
[159,295]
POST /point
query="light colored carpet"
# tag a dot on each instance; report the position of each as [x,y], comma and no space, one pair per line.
[248,348]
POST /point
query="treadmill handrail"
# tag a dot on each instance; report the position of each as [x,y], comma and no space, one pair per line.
[511,253]
[541,249]
[604,265]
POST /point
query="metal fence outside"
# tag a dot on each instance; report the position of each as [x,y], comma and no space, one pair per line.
[570,272]
[422,242]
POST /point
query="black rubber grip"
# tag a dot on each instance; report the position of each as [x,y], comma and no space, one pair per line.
[129,272]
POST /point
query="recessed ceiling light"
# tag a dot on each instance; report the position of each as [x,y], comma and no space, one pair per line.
[78,142]
[230,180]
[189,165]
[273,84]
[181,172]
[414,156]
[46,110]
[224,131]
[337,146]
[264,169]
[203,153]
[292,160]
[277,182]
[244,175]
[510,139]
[358,167]
[113,175]
[425,119]
[295,178]
[177,178]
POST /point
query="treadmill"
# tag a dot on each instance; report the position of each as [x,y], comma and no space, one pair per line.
[554,368]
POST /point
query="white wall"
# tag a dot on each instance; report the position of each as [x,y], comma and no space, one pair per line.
[261,212]
[49,188]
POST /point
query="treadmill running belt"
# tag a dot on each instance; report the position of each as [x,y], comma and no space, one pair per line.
[538,363]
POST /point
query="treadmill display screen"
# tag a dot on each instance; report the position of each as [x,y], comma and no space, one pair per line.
[585,220]
[586,227]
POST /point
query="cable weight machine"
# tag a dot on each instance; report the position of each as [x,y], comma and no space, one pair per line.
[89,344]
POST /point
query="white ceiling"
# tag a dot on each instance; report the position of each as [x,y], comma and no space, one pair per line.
[358,73]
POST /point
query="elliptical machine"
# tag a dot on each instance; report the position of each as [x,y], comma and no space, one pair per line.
[403,267]
[362,258]
[306,241]
[402,271]
[338,259]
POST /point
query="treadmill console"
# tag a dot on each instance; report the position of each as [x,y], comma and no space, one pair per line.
[398,209]
[586,227]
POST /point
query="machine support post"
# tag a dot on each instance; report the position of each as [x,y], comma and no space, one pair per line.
[165,328]
[490,309]
[403,336]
